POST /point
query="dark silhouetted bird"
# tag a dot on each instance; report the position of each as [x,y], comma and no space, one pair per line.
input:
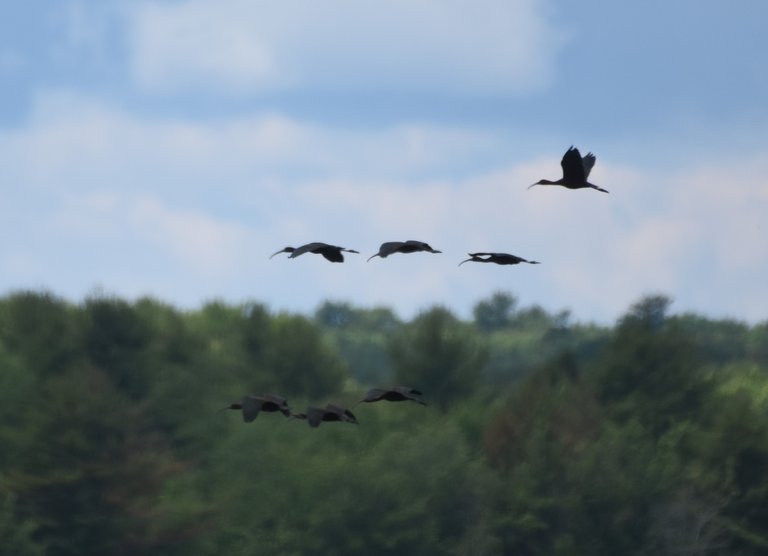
[575,171]
[331,412]
[410,246]
[394,394]
[498,258]
[252,405]
[331,252]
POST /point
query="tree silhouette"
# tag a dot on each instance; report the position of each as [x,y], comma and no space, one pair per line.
[439,355]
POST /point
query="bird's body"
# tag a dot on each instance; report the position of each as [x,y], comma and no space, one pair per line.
[333,253]
[394,394]
[576,170]
[252,405]
[331,412]
[411,246]
[498,258]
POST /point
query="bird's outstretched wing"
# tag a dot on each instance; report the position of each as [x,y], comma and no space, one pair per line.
[411,393]
[374,394]
[506,258]
[387,248]
[251,408]
[333,255]
[573,167]
[588,161]
[308,248]
[416,245]
[275,403]
[409,390]
[343,413]
[315,416]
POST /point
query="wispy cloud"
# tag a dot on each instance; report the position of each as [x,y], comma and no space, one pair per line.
[244,46]
[192,210]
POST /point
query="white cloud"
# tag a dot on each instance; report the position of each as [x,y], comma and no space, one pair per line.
[490,46]
[190,211]
[210,246]
[97,145]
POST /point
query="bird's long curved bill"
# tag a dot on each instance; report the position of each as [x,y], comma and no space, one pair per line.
[277,253]
[372,256]
[465,261]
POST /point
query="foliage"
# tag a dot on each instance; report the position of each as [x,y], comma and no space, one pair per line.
[542,435]
[439,354]
[495,313]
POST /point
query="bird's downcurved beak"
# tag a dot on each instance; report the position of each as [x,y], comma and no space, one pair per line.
[464,261]
[372,256]
[277,253]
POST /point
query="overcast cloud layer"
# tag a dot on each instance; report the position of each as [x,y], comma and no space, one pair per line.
[128,189]
[245,46]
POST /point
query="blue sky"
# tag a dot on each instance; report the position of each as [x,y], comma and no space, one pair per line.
[167,148]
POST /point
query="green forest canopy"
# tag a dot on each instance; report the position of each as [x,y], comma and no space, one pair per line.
[542,435]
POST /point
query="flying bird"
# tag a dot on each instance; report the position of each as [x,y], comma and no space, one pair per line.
[394,394]
[498,258]
[331,252]
[575,171]
[331,412]
[252,405]
[410,246]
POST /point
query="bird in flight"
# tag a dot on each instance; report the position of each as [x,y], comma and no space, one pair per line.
[410,246]
[252,405]
[394,394]
[498,258]
[331,412]
[331,252]
[575,171]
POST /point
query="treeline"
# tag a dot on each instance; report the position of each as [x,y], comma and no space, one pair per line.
[543,436]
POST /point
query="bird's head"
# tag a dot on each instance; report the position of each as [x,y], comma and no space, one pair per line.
[283,250]
[542,182]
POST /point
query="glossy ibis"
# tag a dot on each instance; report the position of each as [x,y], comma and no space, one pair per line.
[498,258]
[331,412]
[411,246]
[394,394]
[252,405]
[331,252]
[575,171]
